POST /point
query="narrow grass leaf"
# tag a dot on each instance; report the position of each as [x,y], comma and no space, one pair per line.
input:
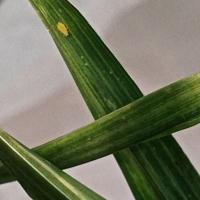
[161,113]
[40,179]
[105,87]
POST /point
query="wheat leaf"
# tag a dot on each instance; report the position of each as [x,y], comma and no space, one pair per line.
[39,178]
[105,87]
[161,113]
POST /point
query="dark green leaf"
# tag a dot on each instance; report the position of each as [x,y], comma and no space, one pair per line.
[105,87]
[161,113]
[40,179]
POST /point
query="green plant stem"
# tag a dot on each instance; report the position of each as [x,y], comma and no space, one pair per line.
[161,113]
[38,177]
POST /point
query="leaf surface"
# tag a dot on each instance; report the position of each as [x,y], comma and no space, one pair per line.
[161,113]
[105,87]
[40,179]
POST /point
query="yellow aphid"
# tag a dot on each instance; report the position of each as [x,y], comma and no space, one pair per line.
[63,29]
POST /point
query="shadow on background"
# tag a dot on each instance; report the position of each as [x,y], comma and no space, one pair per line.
[56,115]
[158,42]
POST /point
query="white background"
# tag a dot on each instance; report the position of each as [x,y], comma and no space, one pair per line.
[157,41]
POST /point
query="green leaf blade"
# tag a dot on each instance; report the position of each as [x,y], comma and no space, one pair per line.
[105,87]
[40,179]
[130,125]
[110,89]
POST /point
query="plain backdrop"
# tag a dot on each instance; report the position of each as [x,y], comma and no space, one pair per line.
[157,41]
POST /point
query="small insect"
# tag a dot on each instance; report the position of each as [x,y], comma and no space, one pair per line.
[63,29]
